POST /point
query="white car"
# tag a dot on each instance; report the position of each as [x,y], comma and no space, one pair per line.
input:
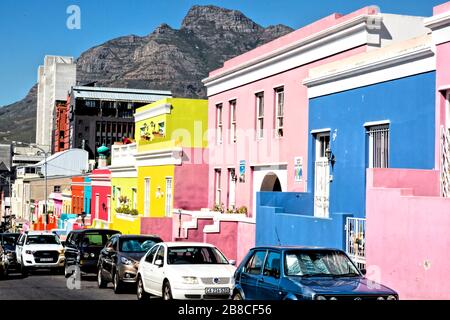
[39,250]
[185,270]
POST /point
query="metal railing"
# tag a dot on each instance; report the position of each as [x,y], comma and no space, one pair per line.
[445,162]
[355,241]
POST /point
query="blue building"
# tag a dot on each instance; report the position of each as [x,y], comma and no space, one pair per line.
[373,110]
[87,195]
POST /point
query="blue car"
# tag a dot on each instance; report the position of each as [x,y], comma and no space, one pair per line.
[304,273]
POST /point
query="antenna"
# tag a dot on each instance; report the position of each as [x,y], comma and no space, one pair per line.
[278,238]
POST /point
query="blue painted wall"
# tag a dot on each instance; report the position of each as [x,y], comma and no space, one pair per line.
[87,195]
[409,104]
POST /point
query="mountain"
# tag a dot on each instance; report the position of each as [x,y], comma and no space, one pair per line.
[167,58]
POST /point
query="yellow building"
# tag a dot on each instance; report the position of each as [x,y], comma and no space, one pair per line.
[164,168]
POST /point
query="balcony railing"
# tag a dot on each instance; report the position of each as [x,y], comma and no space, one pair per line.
[355,240]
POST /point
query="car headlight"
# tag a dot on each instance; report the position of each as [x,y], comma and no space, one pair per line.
[126,261]
[391,298]
[333,298]
[380,298]
[190,280]
[320,298]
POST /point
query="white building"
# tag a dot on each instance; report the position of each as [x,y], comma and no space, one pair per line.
[55,79]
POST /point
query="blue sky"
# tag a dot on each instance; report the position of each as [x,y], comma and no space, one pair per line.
[30,29]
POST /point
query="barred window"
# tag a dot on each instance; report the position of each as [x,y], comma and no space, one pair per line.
[378,146]
[279,111]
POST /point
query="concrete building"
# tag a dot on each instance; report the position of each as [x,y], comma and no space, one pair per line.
[101,116]
[55,78]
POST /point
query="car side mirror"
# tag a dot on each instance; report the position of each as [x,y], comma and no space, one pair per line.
[233,262]
[159,263]
[363,271]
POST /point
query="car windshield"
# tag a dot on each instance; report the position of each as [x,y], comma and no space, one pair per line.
[42,239]
[9,240]
[318,263]
[195,255]
[137,244]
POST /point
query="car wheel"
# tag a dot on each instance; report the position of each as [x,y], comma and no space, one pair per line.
[141,294]
[118,285]
[100,280]
[167,291]
[237,296]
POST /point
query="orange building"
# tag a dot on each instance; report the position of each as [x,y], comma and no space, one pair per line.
[61,128]
[77,195]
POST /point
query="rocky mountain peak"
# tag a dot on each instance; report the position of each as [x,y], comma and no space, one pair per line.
[199,17]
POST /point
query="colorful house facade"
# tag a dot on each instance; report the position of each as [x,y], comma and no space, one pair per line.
[101,198]
[164,169]
[258,114]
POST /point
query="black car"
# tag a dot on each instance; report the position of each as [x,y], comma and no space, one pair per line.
[82,249]
[8,261]
[119,260]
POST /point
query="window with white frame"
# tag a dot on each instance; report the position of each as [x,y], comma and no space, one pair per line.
[260,115]
[219,123]
[134,195]
[168,204]
[233,128]
[147,197]
[218,190]
[279,111]
[378,146]
[118,197]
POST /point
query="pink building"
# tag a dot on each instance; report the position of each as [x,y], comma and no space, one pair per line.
[408,211]
[258,111]
[101,198]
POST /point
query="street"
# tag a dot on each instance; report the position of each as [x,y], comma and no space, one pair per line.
[42,285]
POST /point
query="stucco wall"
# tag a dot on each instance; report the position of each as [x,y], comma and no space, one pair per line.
[409,105]
[407,238]
[158,226]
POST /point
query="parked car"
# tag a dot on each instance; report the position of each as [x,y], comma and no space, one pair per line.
[185,270]
[82,249]
[39,250]
[303,273]
[8,261]
[119,259]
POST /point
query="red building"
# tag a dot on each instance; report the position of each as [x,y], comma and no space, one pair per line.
[61,131]
[101,198]
[77,195]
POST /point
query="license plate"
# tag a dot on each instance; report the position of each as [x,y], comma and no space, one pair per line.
[46,259]
[223,291]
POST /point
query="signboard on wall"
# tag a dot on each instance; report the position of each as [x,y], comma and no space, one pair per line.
[298,167]
[242,171]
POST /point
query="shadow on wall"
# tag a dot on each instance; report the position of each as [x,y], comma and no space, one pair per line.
[287,218]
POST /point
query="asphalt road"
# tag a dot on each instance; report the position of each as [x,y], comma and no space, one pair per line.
[43,285]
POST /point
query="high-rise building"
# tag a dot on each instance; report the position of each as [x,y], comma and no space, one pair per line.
[55,79]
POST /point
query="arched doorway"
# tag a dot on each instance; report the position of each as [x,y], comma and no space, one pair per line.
[271,183]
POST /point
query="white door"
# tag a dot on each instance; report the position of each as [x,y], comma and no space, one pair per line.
[147,268]
[168,196]
[157,276]
[321,177]
[147,197]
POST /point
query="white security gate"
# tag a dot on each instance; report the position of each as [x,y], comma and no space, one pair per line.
[322,176]
[355,239]
[322,188]
[168,196]
[445,162]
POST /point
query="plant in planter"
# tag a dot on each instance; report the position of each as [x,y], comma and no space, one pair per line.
[219,208]
[242,210]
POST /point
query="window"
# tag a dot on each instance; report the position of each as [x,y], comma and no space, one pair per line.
[134,195]
[61,134]
[279,111]
[147,197]
[219,124]
[260,115]
[160,254]
[272,265]
[378,146]
[168,196]
[217,174]
[232,188]
[162,129]
[322,144]
[233,136]
[151,254]
[254,265]
[118,198]
[57,189]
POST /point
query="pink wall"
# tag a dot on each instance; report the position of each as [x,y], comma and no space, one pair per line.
[191,184]
[101,184]
[158,226]
[408,238]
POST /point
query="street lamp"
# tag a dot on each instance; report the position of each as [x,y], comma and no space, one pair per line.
[34,145]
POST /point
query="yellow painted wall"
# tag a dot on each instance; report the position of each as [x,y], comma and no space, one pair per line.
[123,225]
[185,126]
[157,175]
